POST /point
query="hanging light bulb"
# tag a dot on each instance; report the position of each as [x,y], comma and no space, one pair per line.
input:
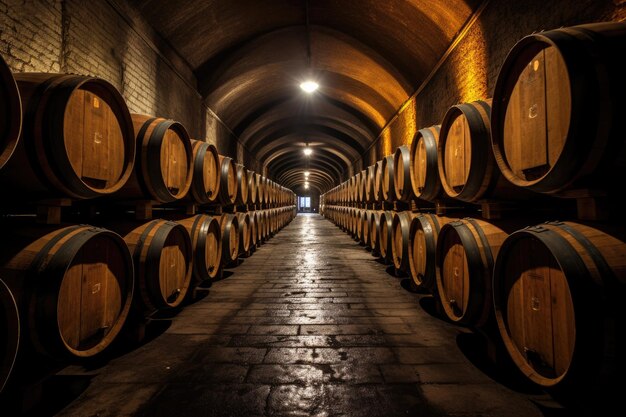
[309,86]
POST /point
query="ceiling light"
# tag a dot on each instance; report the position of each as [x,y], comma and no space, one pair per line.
[306,185]
[309,86]
[308,151]
[306,173]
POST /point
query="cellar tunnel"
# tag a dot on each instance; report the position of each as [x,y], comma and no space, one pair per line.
[311,207]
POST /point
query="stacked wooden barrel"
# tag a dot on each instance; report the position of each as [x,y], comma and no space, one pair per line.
[68,289]
[552,291]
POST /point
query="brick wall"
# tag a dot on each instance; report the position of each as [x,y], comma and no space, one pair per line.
[470,71]
[95,38]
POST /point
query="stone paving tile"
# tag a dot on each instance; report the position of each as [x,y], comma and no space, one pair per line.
[394,373]
[478,399]
[294,400]
[274,330]
[330,355]
[214,400]
[310,325]
[112,400]
[457,373]
[203,373]
[231,355]
[381,328]
[286,374]
[421,355]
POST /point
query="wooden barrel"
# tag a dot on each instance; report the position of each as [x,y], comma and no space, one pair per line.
[466,250]
[374,225]
[10,117]
[364,225]
[258,186]
[385,234]
[267,191]
[206,237]
[266,225]
[348,219]
[378,181]
[423,236]
[274,193]
[163,257]
[358,224]
[229,225]
[205,184]
[228,181]
[370,180]
[354,228]
[262,190]
[77,139]
[254,239]
[252,192]
[558,295]
[558,104]
[467,168]
[388,182]
[362,186]
[242,185]
[243,220]
[260,224]
[73,286]
[9,333]
[273,221]
[354,188]
[164,166]
[424,168]
[402,174]
[400,228]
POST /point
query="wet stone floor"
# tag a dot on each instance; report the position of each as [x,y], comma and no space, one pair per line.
[310,325]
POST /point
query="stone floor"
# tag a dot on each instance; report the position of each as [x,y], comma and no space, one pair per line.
[310,325]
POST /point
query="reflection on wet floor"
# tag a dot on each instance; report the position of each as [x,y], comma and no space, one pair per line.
[311,325]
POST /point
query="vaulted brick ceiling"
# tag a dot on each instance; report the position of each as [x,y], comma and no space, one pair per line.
[249,57]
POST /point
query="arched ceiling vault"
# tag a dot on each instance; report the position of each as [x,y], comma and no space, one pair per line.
[249,57]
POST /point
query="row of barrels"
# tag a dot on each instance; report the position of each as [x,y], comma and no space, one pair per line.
[555,289]
[553,125]
[73,136]
[66,292]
